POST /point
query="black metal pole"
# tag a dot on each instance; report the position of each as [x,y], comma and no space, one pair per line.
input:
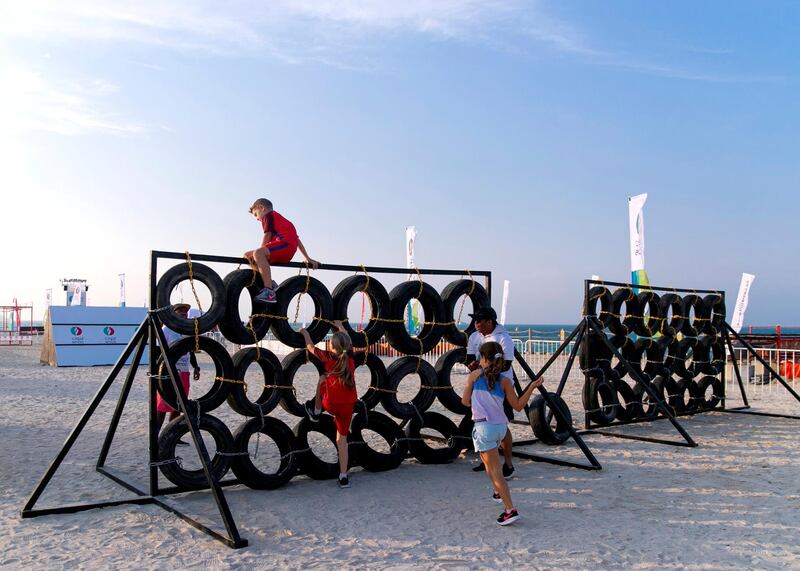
[73,436]
[152,428]
[568,367]
[578,440]
[200,446]
[123,398]
[735,367]
[550,361]
[638,379]
[762,361]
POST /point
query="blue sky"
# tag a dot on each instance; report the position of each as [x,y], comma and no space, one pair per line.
[509,133]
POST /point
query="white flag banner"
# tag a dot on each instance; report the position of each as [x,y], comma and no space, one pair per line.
[741,302]
[636,224]
[411,236]
[122,290]
[49,298]
[76,295]
[503,308]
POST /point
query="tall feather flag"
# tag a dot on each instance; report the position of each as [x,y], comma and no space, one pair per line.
[636,224]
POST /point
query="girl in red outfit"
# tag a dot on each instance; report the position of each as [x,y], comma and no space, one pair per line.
[336,390]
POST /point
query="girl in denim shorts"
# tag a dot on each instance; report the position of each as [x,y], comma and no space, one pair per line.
[485,393]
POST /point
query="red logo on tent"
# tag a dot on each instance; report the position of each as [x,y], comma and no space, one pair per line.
[76,331]
[109,331]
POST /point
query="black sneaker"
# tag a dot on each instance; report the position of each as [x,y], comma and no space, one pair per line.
[479,468]
[344,482]
[508,517]
[508,471]
[496,497]
[310,410]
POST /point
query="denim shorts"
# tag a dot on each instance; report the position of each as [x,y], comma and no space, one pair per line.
[487,436]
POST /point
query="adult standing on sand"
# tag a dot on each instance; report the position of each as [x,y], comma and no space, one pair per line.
[487,329]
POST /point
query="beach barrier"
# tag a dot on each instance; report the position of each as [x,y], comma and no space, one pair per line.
[406,429]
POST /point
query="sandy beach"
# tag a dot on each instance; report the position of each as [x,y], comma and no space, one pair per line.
[733,502]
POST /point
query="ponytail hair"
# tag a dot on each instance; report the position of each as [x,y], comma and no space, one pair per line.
[342,347]
[493,353]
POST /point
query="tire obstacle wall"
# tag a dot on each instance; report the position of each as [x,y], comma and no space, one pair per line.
[673,342]
[401,428]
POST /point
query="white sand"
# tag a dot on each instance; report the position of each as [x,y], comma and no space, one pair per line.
[732,502]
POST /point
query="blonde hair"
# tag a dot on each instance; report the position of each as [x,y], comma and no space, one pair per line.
[493,353]
[261,202]
[342,346]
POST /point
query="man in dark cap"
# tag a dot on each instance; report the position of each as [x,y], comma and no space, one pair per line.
[487,329]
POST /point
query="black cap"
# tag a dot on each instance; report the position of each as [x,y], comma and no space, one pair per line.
[484,313]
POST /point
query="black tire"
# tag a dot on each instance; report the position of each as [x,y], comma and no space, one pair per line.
[692,326]
[223,369]
[600,400]
[231,325]
[649,407]
[323,308]
[430,334]
[194,479]
[373,460]
[655,354]
[309,463]
[450,296]
[717,313]
[601,294]
[426,454]
[594,352]
[701,388]
[206,276]
[649,325]
[378,302]
[557,431]
[680,394]
[672,349]
[291,364]
[450,399]
[630,404]
[685,347]
[622,322]
[673,323]
[425,396]
[633,352]
[378,378]
[268,398]
[703,356]
[243,466]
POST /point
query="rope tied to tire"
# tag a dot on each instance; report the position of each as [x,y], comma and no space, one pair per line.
[177,460]
[232,381]
[463,301]
[197,299]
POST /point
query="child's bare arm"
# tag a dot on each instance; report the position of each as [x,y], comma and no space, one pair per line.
[519,402]
[313,263]
[466,400]
[307,338]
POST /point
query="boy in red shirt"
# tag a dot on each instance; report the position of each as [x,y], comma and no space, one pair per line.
[336,390]
[278,245]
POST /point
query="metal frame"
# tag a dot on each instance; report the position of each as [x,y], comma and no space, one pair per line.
[593,463]
[149,333]
[745,409]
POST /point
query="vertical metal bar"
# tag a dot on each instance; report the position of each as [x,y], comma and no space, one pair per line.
[194,431]
[575,436]
[123,398]
[152,433]
[568,367]
[586,419]
[762,361]
[736,367]
[632,372]
[73,436]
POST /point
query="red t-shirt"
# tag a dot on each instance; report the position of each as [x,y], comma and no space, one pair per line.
[333,388]
[281,229]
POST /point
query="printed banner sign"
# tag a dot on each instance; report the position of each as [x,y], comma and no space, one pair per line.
[741,302]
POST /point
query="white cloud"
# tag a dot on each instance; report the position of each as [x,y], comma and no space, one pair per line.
[30,101]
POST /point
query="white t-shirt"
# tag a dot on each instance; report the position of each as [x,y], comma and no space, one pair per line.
[182,364]
[498,335]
